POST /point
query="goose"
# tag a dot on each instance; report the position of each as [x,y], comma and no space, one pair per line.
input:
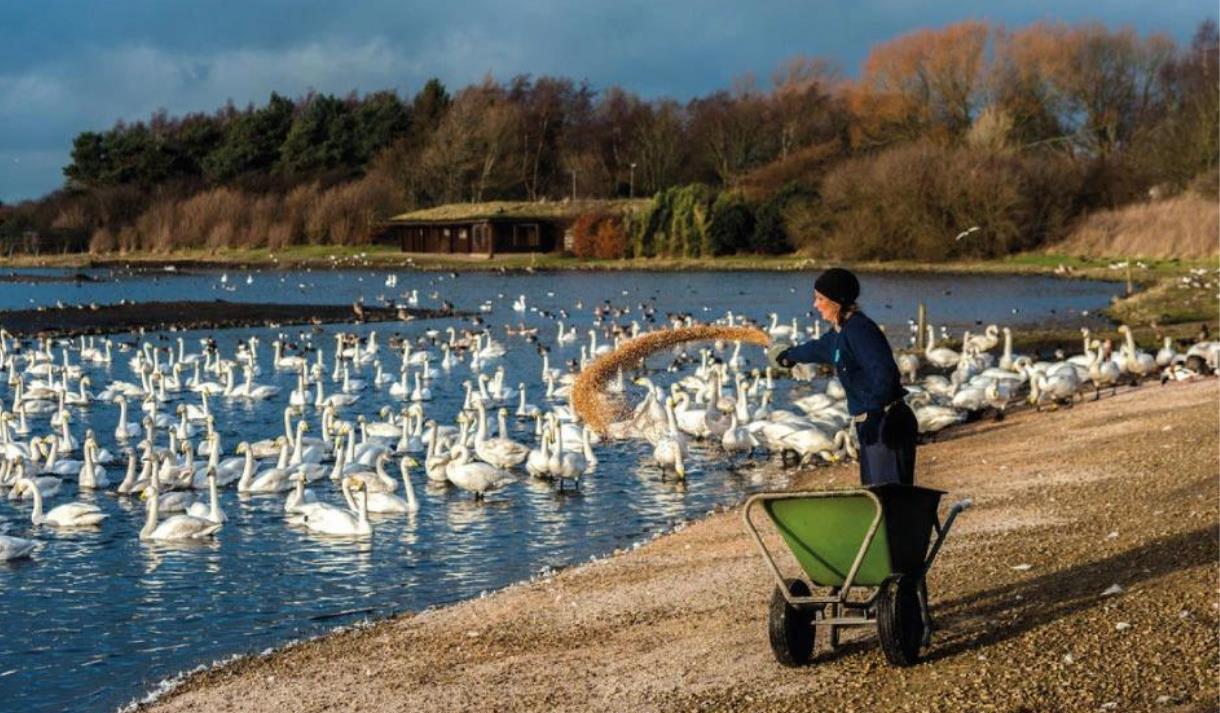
[326,519]
[476,477]
[15,548]
[210,511]
[176,527]
[941,357]
[67,516]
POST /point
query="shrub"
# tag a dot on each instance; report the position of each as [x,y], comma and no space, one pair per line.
[732,224]
[914,200]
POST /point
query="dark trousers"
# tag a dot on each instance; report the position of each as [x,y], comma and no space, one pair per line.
[887,446]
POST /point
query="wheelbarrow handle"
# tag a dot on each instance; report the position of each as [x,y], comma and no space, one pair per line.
[943,530]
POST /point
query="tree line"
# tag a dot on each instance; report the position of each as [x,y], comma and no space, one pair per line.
[1018,131]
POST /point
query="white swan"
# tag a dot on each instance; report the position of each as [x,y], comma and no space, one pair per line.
[211,510]
[176,527]
[475,477]
[670,448]
[566,465]
[326,519]
[15,548]
[67,515]
[941,357]
[501,452]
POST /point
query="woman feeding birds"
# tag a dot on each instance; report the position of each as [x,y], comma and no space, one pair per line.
[864,364]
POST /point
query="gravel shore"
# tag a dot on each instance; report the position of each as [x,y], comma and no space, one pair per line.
[1122,492]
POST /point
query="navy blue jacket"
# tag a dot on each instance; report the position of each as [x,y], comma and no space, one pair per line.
[863,362]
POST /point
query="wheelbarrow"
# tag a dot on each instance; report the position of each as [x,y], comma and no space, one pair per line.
[865,554]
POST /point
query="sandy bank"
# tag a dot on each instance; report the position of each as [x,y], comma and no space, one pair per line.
[1122,491]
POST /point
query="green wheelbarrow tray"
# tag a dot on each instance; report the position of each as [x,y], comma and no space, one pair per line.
[869,546]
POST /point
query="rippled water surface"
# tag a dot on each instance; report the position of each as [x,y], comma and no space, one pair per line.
[97,617]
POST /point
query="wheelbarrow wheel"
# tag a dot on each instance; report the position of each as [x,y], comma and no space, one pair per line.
[900,621]
[791,628]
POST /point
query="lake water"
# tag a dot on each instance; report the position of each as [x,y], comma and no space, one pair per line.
[96,618]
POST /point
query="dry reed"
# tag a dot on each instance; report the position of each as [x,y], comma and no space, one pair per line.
[589,398]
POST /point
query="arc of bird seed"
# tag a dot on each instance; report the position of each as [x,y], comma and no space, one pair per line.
[589,398]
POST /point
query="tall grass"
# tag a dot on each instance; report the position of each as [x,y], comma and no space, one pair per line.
[1186,226]
[225,218]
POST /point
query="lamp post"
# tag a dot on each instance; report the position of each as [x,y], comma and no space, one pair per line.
[631,182]
[573,185]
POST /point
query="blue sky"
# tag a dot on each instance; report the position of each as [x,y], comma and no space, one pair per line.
[68,66]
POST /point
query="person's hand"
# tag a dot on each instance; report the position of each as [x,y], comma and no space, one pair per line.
[777,356]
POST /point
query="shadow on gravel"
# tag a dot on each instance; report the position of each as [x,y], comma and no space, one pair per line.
[987,617]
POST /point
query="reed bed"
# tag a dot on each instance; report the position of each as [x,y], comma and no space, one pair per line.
[589,397]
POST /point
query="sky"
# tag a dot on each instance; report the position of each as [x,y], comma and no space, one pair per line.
[68,66]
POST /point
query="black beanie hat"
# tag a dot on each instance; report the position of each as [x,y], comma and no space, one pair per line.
[838,285]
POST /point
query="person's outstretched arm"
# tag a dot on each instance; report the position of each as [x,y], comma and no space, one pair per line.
[820,351]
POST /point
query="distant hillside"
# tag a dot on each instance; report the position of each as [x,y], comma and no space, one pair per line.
[1186,226]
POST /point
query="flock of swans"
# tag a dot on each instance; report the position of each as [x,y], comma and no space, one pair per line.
[169,453]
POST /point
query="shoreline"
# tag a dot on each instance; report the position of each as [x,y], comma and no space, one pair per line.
[679,623]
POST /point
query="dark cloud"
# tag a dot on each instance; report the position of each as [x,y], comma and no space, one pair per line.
[71,65]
